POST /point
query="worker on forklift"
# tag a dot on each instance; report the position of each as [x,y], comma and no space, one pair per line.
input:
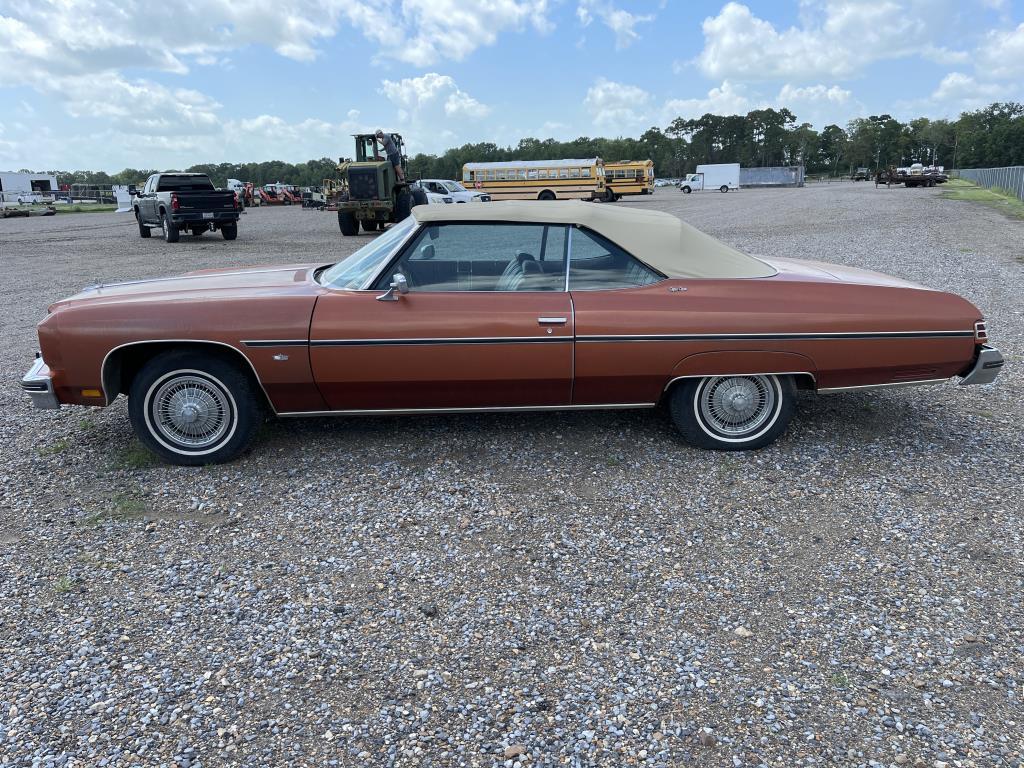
[392,152]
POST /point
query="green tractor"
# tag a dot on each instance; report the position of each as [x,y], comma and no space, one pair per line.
[370,192]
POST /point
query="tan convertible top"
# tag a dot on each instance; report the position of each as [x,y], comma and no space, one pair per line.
[661,240]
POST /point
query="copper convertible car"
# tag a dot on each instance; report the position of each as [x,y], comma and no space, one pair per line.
[501,307]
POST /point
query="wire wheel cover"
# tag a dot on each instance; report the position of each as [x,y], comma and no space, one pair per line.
[735,406]
[191,411]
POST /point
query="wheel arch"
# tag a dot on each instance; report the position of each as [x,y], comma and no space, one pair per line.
[740,363]
[123,362]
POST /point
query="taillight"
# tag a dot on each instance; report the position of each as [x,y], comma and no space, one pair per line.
[980,332]
[236,201]
[175,205]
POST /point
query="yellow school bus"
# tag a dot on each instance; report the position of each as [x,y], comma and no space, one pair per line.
[629,177]
[538,179]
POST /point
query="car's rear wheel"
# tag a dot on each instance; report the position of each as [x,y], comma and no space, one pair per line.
[171,232]
[733,413]
[192,408]
[229,231]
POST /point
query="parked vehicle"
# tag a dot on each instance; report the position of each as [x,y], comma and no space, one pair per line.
[579,179]
[452,189]
[628,177]
[245,191]
[469,308]
[185,201]
[720,176]
[861,174]
[369,192]
[432,198]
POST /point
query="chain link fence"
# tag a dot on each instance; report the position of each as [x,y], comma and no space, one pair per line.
[1010,178]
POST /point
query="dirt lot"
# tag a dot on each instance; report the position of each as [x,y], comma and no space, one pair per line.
[574,589]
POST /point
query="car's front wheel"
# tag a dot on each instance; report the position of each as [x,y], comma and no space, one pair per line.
[192,408]
[143,229]
[733,413]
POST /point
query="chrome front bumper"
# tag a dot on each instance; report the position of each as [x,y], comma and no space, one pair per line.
[986,367]
[38,385]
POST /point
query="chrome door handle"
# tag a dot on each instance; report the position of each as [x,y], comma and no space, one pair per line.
[551,320]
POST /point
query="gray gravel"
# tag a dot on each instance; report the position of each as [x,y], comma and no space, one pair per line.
[575,589]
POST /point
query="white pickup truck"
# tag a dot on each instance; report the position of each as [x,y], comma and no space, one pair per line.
[451,192]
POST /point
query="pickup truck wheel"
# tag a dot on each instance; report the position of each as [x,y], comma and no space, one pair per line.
[229,231]
[686,190]
[733,413]
[143,229]
[348,224]
[171,232]
[191,408]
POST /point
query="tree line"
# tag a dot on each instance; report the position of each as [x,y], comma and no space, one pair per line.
[985,138]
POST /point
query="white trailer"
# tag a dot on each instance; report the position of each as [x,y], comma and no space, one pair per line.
[31,187]
[720,176]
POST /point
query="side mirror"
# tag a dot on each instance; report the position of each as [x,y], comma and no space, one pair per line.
[398,283]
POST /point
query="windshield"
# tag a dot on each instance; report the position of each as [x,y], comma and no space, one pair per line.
[454,186]
[355,269]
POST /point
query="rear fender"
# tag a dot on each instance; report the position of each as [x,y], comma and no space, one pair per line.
[745,362]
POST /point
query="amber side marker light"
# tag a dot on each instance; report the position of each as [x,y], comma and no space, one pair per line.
[91,393]
[980,332]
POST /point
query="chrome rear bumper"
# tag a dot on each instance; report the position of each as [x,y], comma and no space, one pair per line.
[38,385]
[986,366]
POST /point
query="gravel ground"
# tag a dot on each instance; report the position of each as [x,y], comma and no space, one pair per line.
[509,590]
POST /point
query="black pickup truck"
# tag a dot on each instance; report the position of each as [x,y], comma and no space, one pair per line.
[185,201]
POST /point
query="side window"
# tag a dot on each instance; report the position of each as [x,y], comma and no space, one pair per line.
[483,257]
[596,264]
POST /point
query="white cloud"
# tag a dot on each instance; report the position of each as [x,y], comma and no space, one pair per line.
[431,108]
[1002,53]
[617,107]
[726,99]
[836,38]
[621,22]
[964,92]
[422,32]
[415,95]
[791,94]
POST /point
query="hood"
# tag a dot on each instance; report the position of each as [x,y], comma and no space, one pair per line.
[820,271]
[206,284]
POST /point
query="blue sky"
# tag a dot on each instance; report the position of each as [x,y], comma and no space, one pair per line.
[108,84]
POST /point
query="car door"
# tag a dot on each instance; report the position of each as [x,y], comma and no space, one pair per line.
[486,323]
[147,206]
[619,303]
